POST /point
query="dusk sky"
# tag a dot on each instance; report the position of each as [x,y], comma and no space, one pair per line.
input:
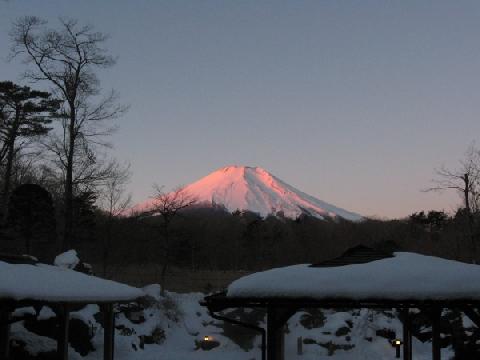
[353,102]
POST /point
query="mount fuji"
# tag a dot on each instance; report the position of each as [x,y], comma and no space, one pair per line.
[256,190]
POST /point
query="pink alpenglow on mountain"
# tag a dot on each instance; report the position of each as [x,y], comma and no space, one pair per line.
[256,190]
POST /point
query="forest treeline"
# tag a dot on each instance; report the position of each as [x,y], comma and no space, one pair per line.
[211,238]
[60,188]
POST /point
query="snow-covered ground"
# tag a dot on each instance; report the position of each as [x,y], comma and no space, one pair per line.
[171,328]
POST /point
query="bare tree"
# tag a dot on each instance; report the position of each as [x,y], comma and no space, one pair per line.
[167,206]
[114,200]
[465,180]
[67,58]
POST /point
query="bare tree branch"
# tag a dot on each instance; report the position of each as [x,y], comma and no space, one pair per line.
[67,57]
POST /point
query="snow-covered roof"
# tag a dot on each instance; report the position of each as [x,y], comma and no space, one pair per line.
[55,284]
[405,276]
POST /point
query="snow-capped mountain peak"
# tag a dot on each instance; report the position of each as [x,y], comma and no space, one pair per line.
[256,190]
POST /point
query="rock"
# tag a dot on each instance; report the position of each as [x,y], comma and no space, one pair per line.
[18,352]
[206,345]
[134,312]
[80,333]
[125,331]
[386,333]
[344,330]
[136,317]
[332,347]
[85,268]
[157,337]
[80,336]
[312,319]
[46,327]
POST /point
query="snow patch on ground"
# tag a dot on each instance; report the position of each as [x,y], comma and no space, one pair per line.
[184,323]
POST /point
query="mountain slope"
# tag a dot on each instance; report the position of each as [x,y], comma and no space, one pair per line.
[256,190]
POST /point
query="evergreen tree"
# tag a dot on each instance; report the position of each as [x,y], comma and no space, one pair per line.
[31,216]
[25,113]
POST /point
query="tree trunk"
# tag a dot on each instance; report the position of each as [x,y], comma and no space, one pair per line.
[166,257]
[106,244]
[68,206]
[192,255]
[466,194]
[8,166]
[105,259]
[163,277]
[7,178]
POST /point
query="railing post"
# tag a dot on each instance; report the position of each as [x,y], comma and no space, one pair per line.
[276,320]
[4,333]
[275,336]
[62,335]
[436,345]
[407,335]
[108,331]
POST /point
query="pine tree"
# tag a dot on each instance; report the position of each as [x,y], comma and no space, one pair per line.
[25,113]
[31,216]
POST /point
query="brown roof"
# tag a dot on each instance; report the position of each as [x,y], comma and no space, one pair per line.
[18,259]
[360,254]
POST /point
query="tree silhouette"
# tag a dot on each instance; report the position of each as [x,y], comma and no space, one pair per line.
[24,114]
[465,179]
[31,216]
[167,205]
[67,58]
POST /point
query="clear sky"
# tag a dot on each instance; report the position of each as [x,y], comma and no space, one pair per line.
[354,102]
